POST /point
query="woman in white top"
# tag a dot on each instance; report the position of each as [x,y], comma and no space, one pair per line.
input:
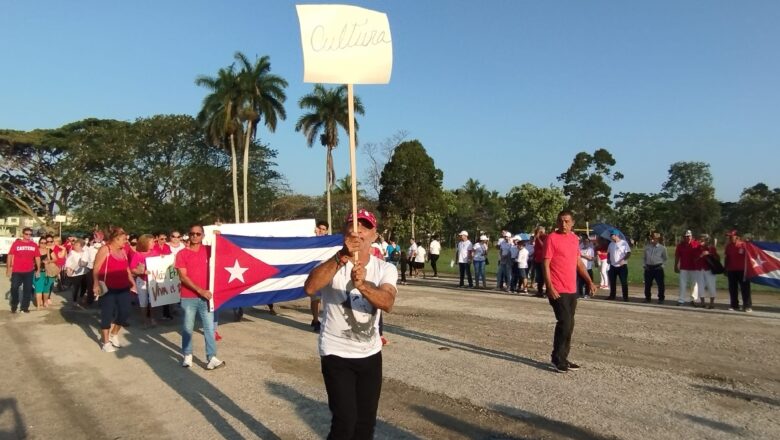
[480,256]
[76,270]
[419,260]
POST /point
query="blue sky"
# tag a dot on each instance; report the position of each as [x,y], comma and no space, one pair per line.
[505,92]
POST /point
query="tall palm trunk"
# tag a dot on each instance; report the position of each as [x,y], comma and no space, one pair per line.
[234,171]
[249,131]
[413,236]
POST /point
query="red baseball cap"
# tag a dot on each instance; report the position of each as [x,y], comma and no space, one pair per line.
[366,215]
[731,232]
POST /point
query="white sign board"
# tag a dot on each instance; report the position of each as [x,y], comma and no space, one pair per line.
[164,284]
[345,45]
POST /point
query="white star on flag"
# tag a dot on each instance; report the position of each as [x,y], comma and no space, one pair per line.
[236,272]
[758,262]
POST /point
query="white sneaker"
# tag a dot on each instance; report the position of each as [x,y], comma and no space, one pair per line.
[215,363]
[114,340]
[108,347]
[187,362]
[748,310]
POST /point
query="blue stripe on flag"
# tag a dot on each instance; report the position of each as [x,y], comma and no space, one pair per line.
[771,282]
[324,241]
[767,245]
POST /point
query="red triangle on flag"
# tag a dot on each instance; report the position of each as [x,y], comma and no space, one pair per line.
[235,271]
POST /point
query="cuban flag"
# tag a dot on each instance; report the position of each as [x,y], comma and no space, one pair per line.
[762,265]
[248,271]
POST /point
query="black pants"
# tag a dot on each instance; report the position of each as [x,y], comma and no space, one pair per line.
[25,281]
[88,285]
[737,282]
[583,287]
[655,273]
[434,259]
[564,308]
[613,274]
[465,269]
[539,276]
[79,285]
[353,387]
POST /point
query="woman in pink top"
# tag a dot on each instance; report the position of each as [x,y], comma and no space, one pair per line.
[112,268]
[143,250]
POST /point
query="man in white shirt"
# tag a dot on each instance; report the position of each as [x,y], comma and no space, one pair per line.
[522,265]
[354,295]
[463,254]
[434,249]
[618,254]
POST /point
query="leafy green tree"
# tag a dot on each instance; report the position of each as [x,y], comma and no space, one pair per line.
[473,207]
[328,110]
[219,118]
[411,184]
[586,185]
[757,212]
[262,97]
[530,206]
[689,188]
[638,214]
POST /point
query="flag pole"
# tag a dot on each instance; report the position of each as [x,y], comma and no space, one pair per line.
[352,163]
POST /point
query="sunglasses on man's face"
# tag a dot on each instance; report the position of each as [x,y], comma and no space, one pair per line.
[49,242]
[197,234]
[175,236]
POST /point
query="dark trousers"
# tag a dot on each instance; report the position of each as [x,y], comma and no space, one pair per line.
[655,273]
[88,286]
[434,259]
[564,308]
[353,387]
[25,281]
[515,279]
[583,287]
[613,274]
[465,269]
[539,276]
[114,308]
[737,282]
[79,285]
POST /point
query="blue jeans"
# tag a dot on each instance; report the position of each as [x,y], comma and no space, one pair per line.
[25,281]
[193,306]
[479,272]
[504,274]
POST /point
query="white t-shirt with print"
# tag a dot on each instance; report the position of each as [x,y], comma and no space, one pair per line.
[522,258]
[350,324]
[463,248]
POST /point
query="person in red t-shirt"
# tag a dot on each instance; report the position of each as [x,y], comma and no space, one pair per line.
[735,272]
[23,261]
[562,264]
[685,263]
[193,266]
[112,268]
[539,240]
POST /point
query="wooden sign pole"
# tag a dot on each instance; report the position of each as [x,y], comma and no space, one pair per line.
[352,161]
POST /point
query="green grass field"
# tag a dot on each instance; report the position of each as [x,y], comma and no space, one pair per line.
[635,272]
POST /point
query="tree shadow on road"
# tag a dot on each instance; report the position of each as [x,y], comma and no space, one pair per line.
[550,426]
[471,348]
[714,424]
[19,430]
[163,358]
[739,395]
[317,415]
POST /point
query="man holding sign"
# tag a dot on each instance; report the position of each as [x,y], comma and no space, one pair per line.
[193,266]
[354,295]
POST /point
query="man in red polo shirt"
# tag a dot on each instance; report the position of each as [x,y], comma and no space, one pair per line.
[685,263]
[735,272]
[23,260]
[562,264]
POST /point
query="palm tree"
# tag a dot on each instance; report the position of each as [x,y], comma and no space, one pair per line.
[328,111]
[262,97]
[219,117]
